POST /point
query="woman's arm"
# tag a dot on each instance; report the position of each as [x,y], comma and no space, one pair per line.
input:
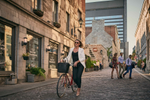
[82,55]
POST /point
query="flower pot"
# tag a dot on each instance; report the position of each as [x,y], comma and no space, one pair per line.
[38,12]
[56,24]
[25,57]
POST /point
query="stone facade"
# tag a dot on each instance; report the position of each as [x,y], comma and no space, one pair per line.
[19,14]
[107,36]
[98,35]
[142,35]
[95,50]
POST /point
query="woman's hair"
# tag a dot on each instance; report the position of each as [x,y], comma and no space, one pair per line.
[81,45]
[115,54]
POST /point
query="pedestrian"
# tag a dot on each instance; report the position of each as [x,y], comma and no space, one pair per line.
[129,67]
[121,65]
[97,64]
[114,64]
[143,66]
[101,66]
[76,58]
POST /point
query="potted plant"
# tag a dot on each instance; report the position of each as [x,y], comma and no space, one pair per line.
[37,74]
[56,24]
[88,65]
[38,12]
[25,56]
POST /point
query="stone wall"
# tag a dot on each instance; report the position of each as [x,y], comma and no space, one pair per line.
[103,58]
[20,13]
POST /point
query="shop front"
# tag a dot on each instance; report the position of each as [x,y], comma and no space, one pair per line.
[7,51]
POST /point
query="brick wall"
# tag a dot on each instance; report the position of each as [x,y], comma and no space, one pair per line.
[111,31]
[88,30]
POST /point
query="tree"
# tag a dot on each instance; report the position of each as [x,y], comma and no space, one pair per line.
[133,55]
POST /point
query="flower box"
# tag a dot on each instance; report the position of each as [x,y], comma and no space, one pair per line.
[56,24]
[26,57]
[38,12]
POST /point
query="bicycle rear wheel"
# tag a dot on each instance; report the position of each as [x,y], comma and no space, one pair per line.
[61,85]
[74,87]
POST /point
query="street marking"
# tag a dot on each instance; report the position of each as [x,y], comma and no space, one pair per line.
[142,74]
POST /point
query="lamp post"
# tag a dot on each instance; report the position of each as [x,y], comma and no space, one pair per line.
[80,22]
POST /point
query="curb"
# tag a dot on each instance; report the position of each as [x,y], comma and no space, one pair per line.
[21,90]
[142,75]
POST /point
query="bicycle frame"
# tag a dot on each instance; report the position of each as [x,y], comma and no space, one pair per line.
[66,77]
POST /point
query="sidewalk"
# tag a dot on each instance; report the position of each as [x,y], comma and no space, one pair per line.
[12,89]
[144,74]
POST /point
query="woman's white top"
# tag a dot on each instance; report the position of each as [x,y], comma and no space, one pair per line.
[81,56]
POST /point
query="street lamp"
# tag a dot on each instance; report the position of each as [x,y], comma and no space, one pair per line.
[80,22]
[48,48]
[24,42]
[101,52]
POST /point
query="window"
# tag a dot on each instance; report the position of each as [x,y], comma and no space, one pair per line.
[36,4]
[143,40]
[79,35]
[6,56]
[79,14]
[53,56]
[66,51]
[67,24]
[33,48]
[55,11]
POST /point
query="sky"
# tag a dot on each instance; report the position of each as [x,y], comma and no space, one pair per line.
[133,13]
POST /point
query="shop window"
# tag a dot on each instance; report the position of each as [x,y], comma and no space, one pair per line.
[68,21]
[36,4]
[53,55]
[33,48]
[5,48]
[66,51]
[55,11]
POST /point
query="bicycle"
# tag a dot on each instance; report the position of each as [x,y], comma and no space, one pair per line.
[64,83]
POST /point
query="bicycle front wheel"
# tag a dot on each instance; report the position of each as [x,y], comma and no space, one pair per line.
[74,87]
[61,85]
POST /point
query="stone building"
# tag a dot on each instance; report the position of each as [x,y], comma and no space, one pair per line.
[142,34]
[107,36]
[34,21]
[97,52]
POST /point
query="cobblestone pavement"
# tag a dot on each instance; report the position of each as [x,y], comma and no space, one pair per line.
[96,85]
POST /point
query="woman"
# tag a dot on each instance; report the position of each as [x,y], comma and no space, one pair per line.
[114,63]
[143,66]
[76,58]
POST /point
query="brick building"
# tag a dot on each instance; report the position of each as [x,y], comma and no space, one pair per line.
[34,19]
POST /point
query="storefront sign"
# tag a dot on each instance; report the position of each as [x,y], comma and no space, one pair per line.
[95,50]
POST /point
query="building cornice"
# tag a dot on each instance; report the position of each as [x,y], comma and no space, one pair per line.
[38,18]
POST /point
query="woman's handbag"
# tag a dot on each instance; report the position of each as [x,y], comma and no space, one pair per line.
[110,65]
[63,67]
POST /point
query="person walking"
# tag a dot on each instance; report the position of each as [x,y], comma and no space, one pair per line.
[101,66]
[143,66]
[114,63]
[129,67]
[121,65]
[76,58]
[97,64]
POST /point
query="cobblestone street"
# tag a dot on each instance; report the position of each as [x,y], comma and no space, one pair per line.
[96,85]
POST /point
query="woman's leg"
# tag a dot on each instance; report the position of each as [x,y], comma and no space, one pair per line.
[75,72]
[117,72]
[79,75]
[112,72]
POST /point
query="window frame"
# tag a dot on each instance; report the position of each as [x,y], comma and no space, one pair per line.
[67,22]
[55,14]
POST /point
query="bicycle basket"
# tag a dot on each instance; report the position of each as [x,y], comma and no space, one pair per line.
[63,67]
